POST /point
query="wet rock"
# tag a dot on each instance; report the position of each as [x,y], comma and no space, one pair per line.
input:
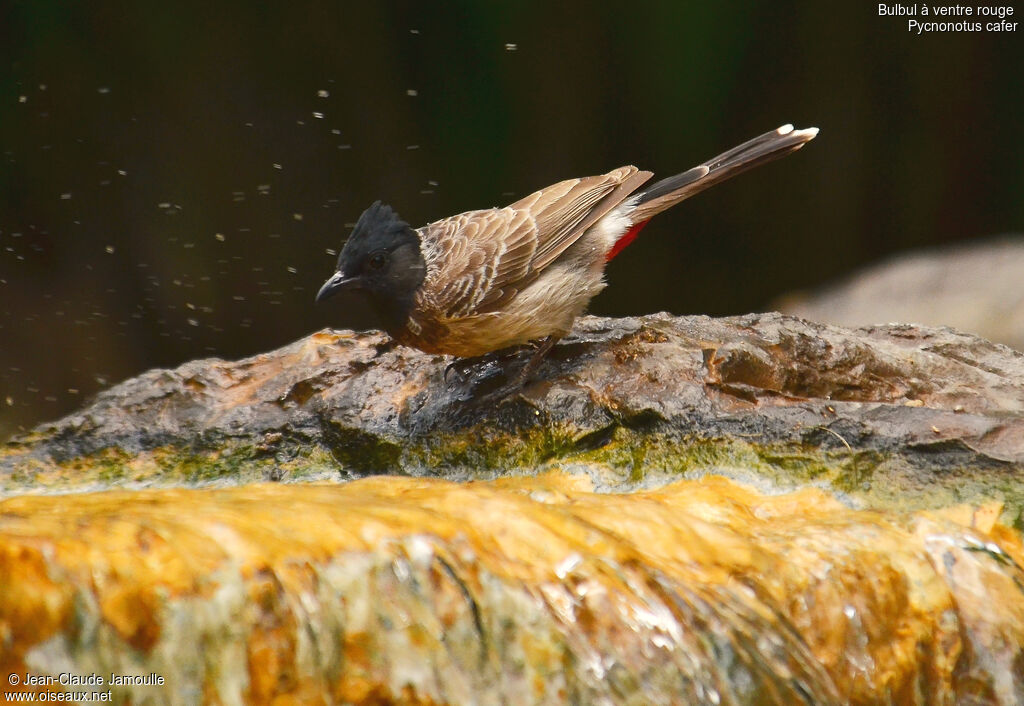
[890,416]
[530,587]
[525,591]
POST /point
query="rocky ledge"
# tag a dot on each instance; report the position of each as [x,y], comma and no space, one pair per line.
[890,416]
[597,555]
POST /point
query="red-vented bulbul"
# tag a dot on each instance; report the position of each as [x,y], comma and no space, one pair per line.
[486,280]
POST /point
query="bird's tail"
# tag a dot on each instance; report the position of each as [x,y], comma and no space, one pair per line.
[668,192]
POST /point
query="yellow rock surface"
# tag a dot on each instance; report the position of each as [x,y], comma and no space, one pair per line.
[520,590]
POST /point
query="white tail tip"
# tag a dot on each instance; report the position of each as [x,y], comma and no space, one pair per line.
[787,129]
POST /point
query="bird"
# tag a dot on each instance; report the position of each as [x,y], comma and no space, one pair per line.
[497,279]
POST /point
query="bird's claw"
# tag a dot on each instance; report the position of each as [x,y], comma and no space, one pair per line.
[492,365]
[483,367]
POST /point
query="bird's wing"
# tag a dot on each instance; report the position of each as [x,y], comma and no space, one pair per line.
[480,259]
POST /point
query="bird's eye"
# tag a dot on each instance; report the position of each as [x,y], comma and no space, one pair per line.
[377,260]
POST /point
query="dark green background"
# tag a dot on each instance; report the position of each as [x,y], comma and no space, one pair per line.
[921,144]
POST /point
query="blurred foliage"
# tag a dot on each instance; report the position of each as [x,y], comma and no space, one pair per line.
[173,174]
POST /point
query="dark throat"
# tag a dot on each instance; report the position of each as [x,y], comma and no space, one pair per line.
[392,310]
[393,295]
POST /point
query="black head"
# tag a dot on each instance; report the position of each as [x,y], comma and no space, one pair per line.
[382,257]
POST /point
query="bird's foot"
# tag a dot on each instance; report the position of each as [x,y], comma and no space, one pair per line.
[385,347]
[542,348]
[489,370]
[483,367]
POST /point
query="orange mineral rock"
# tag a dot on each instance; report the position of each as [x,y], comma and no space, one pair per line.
[399,590]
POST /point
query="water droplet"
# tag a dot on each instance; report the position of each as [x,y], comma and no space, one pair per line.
[297,216]
[220,237]
[110,249]
[323,93]
[23,99]
[510,46]
[65,196]
[318,115]
[412,92]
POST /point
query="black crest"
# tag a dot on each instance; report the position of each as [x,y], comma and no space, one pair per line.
[378,227]
[383,258]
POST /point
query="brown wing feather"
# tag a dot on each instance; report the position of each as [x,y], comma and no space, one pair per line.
[480,259]
[463,253]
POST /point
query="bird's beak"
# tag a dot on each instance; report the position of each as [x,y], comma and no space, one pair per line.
[335,284]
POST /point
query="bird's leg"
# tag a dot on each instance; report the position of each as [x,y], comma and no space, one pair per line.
[500,357]
[543,348]
[461,365]
[385,347]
